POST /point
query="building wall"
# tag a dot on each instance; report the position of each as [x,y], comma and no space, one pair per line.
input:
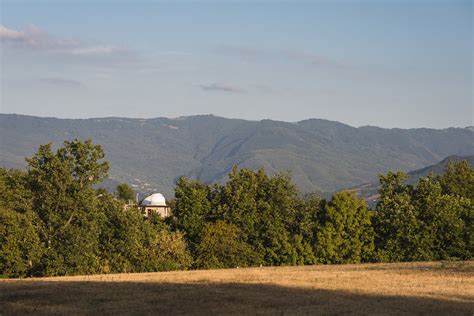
[163,211]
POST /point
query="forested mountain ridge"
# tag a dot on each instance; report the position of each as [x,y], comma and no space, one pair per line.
[321,155]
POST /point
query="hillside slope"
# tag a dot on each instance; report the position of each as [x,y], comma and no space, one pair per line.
[369,190]
[438,168]
[321,155]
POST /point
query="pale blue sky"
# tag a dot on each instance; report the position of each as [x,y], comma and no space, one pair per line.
[385,63]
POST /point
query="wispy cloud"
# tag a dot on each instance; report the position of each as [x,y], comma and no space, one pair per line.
[263,88]
[7,34]
[35,39]
[56,81]
[221,87]
[247,53]
[315,59]
[240,51]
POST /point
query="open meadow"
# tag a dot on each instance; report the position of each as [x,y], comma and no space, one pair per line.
[379,289]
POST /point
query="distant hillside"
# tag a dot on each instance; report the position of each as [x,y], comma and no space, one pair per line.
[320,154]
[370,190]
[438,168]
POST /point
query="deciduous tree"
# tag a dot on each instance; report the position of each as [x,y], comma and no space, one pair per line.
[344,232]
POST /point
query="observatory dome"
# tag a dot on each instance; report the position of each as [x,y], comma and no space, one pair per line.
[156,199]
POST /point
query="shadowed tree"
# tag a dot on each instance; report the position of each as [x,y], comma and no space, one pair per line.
[221,246]
[20,245]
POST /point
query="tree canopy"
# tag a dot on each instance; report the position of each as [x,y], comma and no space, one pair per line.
[125,193]
[53,220]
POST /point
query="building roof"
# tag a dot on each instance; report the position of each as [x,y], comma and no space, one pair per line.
[156,199]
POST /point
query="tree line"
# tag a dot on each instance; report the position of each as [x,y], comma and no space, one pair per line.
[53,221]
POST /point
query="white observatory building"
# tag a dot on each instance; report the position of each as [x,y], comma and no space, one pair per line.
[155,203]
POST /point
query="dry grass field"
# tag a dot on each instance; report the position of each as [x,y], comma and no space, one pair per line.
[369,289]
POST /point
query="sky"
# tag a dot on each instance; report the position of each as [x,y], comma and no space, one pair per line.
[404,64]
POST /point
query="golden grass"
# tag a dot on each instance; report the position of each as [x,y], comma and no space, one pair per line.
[368,289]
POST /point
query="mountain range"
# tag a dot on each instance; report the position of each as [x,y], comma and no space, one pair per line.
[320,155]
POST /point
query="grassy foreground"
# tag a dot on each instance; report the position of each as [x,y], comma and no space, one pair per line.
[389,289]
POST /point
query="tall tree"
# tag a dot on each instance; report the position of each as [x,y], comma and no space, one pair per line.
[458,179]
[344,233]
[396,221]
[66,204]
[445,221]
[265,209]
[192,207]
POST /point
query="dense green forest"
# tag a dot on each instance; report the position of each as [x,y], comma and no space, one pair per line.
[54,222]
